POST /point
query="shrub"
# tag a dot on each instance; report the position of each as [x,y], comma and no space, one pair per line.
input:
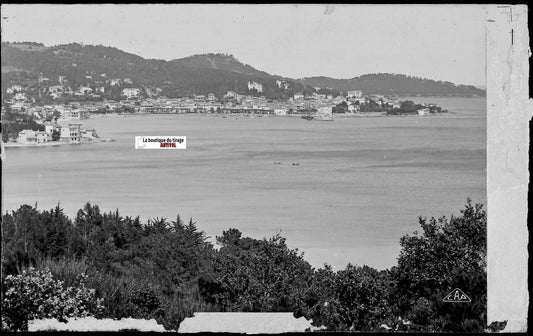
[35,294]
[355,298]
[256,275]
[143,302]
[447,254]
[67,270]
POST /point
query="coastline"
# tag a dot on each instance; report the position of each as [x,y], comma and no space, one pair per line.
[51,143]
[294,115]
[45,144]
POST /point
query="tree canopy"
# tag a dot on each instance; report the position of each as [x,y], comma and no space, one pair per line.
[168,270]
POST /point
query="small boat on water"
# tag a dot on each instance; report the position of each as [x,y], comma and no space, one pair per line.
[319,117]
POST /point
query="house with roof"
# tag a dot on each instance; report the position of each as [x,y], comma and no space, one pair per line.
[42,79]
[114,81]
[55,89]
[199,98]
[14,89]
[19,106]
[131,92]
[83,90]
[282,84]
[337,100]
[43,137]
[20,96]
[230,94]
[72,133]
[355,94]
[27,137]
[255,86]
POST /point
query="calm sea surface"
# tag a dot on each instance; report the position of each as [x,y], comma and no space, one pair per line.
[360,185]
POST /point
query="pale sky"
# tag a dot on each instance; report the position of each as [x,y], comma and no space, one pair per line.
[442,42]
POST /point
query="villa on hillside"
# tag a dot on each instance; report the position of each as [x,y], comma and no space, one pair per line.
[298,96]
[355,94]
[131,92]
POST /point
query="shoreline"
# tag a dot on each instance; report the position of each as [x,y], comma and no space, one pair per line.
[255,116]
[51,143]
[44,144]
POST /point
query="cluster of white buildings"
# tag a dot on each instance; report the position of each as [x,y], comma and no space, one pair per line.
[355,94]
[30,137]
[148,100]
[255,86]
[231,102]
[282,84]
[131,92]
[94,88]
[73,133]
[317,100]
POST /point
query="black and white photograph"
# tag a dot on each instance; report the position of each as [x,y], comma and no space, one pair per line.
[261,168]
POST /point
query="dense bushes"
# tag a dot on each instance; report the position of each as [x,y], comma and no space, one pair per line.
[447,254]
[167,271]
[35,294]
[355,298]
[255,275]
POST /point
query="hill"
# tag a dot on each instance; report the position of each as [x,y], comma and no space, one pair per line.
[92,65]
[198,74]
[394,84]
[219,62]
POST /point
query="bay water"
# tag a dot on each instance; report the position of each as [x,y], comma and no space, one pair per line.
[341,192]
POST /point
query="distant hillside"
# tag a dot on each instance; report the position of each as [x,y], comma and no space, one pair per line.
[393,84]
[199,74]
[76,62]
[219,62]
[219,73]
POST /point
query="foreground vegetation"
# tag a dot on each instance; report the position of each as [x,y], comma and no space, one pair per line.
[167,270]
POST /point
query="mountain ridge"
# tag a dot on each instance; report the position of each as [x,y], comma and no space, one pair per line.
[203,73]
[397,84]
